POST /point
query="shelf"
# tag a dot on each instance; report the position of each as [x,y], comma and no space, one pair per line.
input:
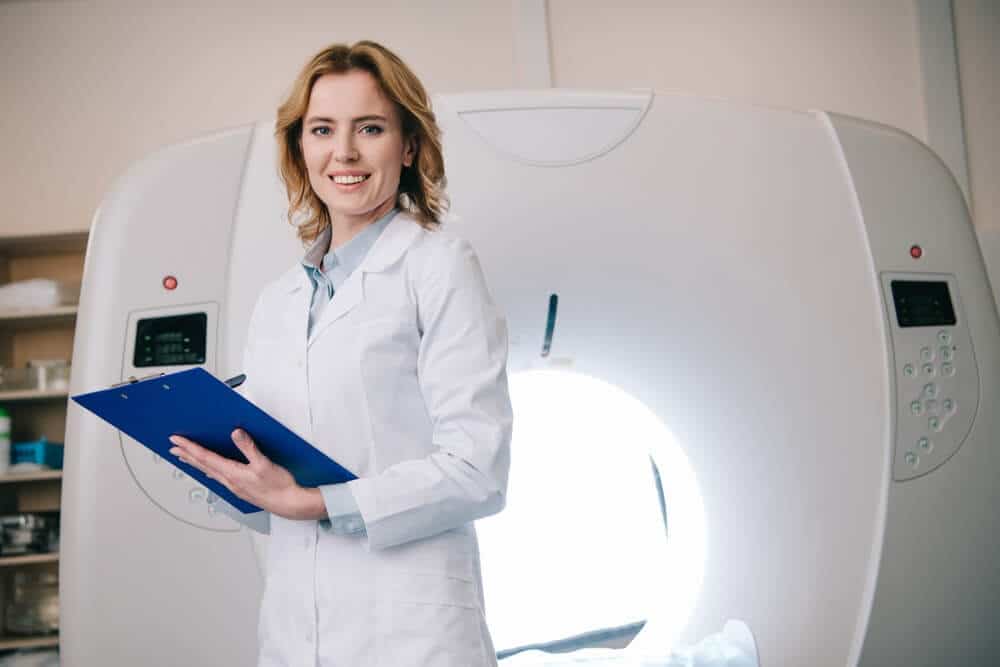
[24,319]
[8,643]
[34,476]
[36,244]
[28,559]
[33,395]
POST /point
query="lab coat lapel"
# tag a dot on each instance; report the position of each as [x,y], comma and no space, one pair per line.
[401,232]
[296,319]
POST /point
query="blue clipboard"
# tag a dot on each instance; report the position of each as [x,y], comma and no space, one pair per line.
[198,406]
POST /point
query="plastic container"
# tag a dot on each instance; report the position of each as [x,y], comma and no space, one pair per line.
[41,451]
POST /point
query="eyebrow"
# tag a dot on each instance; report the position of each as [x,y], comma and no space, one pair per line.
[359,119]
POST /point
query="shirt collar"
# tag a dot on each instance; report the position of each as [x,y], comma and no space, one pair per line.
[350,255]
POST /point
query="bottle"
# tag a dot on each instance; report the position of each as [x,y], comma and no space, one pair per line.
[4,441]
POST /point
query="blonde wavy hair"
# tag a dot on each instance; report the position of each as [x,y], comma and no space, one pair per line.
[421,186]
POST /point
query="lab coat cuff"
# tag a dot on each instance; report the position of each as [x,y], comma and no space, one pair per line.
[342,510]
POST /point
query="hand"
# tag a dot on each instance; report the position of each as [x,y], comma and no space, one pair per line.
[261,481]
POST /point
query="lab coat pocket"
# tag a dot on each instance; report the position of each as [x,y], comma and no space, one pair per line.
[432,620]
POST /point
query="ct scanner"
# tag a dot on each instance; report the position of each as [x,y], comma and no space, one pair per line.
[798,298]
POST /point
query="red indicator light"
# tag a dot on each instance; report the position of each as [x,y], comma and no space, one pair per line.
[916,252]
[170,282]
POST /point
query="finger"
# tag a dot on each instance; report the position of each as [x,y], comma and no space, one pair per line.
[246,445]
[203,458]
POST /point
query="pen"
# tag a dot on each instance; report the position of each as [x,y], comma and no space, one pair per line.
[236,380]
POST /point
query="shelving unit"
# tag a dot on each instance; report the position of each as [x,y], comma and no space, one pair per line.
[25,335]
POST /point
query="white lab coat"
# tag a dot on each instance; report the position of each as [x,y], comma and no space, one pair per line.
[403,381]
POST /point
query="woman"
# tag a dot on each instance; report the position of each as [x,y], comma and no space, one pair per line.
[399,376]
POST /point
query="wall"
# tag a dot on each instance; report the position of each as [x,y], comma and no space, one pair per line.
[91,86]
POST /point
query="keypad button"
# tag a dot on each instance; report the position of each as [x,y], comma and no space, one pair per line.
[926,354]
[928,369]
[947,370]
[947,354]
[925,445]
[930,390]
[179,474]
[912,459]
[917,408]
[944,338]
[934,423]
[909,371]
[948,405]
[196,495]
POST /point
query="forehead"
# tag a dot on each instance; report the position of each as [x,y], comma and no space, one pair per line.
[348,95]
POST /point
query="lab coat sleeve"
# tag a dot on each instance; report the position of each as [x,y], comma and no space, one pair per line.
[461,367]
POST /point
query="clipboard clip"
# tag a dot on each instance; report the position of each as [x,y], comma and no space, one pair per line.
[232,382]
[133,380]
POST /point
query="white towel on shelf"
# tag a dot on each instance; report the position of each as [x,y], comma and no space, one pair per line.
[36,293]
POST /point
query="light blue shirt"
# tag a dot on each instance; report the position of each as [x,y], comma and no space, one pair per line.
[327,272]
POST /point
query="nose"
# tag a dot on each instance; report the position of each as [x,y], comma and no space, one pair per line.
[344,150]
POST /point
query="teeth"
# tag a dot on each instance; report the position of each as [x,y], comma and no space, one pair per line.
[348,180]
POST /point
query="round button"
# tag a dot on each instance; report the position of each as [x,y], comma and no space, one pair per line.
[944,337]
[925,445]
[196,495]
[947,354]
[947,370]
[926,354]
[930,390]
[928,369]
[948,405]
[909,371]
[917,408]
[912,459]
[934,423]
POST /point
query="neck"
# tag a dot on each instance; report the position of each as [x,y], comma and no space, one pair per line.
[346,227]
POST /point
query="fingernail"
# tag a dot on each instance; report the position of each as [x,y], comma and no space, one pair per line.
[176,451]
[174,439]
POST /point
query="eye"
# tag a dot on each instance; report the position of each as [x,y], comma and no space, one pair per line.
[375,129]
[320,131]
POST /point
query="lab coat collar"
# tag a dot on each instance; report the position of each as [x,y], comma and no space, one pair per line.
[401,232]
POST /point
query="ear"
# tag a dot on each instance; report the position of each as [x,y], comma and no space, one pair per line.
[409,151]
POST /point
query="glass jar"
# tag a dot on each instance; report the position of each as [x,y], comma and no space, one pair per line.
[33,605]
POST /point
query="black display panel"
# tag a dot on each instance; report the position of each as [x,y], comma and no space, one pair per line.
[922,304]
[176,340]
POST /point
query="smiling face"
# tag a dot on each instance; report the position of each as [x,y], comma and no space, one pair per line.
[354,149]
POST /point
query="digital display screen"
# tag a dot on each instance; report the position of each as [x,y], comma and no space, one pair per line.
[922,304]
[176,340]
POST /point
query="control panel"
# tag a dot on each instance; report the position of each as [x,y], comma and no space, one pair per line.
[936,376]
